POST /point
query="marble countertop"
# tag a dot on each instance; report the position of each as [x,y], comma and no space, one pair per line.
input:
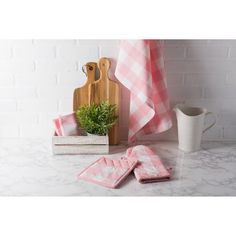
[28,168]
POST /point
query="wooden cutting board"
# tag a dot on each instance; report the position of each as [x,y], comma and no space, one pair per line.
[81,95]
[105,89]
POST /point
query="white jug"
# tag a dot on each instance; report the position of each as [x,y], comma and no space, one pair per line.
[190,122]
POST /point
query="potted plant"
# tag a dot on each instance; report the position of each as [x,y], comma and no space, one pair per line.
[97,119]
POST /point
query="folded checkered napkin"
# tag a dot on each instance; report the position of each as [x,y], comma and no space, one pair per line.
[67,126]
[107,172]
[150,168]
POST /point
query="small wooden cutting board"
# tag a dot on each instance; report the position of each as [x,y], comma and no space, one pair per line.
[105,89]
[81,95]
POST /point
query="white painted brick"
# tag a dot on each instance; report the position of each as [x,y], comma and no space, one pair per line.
[230,133]
[54,81]
[15,42]
[175,79]
[222,92]
[39,79]
[8,118]
[211,52]
[175,92]
[36,105]
[231,79]
[202,67]
[46,118]
[42,131]
[174,52]
[205,79]
[6,79]
[16,66]
[109,51]
[55,66]
[213,134]
[65,106]
[17,93]
[184,42]
[8,105]
[5,52]
[233,52]
[217,105]
[74,79]
[181,92]
[9,131]
[173,103]
[54,42]
[213,105]
[220,42]
[55,92]
[226,105]
[227,119]
[98,42]
[83,54]
[34,52]
[27,117]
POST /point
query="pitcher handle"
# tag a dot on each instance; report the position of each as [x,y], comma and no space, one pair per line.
[214,122]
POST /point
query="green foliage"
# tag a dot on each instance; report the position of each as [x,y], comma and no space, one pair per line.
[97,118]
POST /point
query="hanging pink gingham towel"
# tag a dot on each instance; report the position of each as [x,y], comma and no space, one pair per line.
[140,68]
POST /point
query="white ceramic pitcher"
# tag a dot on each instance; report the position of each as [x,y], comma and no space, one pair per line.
[190,122]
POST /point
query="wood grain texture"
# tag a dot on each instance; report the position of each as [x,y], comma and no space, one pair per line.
[81,95]
[105,89]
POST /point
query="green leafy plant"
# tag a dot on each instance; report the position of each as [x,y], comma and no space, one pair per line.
[97,118]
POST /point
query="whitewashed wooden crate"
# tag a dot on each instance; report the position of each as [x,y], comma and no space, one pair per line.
[62,145]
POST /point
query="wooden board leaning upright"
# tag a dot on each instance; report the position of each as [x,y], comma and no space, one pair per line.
[81,95]
[105,89]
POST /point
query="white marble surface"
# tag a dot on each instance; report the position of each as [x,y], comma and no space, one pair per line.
[28,168]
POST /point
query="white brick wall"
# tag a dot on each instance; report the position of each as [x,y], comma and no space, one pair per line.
[37,79]
[203,73]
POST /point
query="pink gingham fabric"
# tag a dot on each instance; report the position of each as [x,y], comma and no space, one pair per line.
[66,125]
[140,68]
[146,165]
[149,168]
[107,172]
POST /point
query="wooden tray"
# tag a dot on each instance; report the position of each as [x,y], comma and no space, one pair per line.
[93,144]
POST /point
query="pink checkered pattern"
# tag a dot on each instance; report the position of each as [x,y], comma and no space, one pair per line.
[66,125]
[140,67]
[107,172]
[149,168]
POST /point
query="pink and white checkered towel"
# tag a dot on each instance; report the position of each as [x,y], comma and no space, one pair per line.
[67,126]
[140,68]
[107,172]
[149,168]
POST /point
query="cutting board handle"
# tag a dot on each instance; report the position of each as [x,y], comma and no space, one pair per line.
[104,66]
[81,95]
[90,71]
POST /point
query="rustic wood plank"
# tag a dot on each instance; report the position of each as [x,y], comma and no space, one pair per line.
[80,149]
[70,140]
